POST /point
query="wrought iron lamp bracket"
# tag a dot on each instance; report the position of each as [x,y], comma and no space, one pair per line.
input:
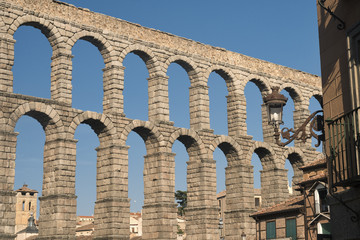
[341,25]
[316,123]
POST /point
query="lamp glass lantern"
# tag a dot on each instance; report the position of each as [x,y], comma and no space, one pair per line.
[274,104]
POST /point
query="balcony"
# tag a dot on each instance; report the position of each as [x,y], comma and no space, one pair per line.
[344,145]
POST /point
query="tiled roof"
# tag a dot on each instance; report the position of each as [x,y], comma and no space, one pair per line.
[135,215]
[318,177]
[318,162]
[25,188]
[88,227]
[221,194]
[289,205]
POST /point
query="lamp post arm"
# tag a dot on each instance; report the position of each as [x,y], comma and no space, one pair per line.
[300,134]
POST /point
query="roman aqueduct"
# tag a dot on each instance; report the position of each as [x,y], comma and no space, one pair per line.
[63,25]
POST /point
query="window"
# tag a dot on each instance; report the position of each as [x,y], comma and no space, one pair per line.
[29,206]
[257,202]
[23,205]
[324,229]
[271,230]
[291,228]
[321,204]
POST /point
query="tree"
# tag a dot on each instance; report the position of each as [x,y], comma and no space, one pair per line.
[181,199]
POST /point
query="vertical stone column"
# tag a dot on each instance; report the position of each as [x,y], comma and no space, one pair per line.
[158,98]
[61,75]
[113,88]
[202,209]
[299,118]
[239,202]
[112,207]
[159,211]
[268,129]
[6,63]
[199,107]
[236,114]
[58,201]
[7,178]
[274,187]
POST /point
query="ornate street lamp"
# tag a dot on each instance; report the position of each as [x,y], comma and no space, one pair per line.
[275,103]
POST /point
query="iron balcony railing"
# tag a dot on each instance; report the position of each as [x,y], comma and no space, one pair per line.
[344,145]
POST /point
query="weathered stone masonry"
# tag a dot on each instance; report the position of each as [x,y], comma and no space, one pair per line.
[63,25]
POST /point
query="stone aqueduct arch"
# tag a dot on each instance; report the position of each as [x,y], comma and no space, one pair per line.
[65,24]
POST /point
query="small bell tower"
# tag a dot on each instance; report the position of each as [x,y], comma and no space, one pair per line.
[26,206]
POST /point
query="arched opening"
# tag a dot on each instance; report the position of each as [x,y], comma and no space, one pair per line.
[136,172]
[181,159]
[29,162]
[293,163]
[136,154]
[257,168]
[86,162]
[253,110]
[256,163]
[107,179]
[179,84]
[290,175]
[218,103]
[32,63]
[272,180]
[221,164]
[87,77]
[135,86]
[315,105]
[194,183]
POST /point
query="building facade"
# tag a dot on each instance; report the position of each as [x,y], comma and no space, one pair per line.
[314,189]
[281,221]
[339,36]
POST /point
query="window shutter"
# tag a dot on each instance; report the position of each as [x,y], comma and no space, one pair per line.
[291,228]
[270,230]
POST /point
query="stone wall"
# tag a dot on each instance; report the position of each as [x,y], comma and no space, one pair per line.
[65,24]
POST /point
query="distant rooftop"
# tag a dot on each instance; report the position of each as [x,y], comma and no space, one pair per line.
[25,188]
[287,206]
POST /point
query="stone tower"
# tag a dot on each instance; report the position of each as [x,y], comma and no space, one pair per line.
[26,201]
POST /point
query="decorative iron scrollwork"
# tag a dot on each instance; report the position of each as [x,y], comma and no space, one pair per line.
[341,25]
[316,124]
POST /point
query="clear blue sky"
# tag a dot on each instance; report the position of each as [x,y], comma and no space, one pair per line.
[282,32]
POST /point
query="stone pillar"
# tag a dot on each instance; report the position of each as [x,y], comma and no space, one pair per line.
[239,202]
[202,209]
[158,98]
[199,107]
[268,129]
[61,75]
[299,118]
[7,177]
[112,207]
[58,201]
[159,211]
[236,114]
[274,186]
[6,63]
[113,88]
